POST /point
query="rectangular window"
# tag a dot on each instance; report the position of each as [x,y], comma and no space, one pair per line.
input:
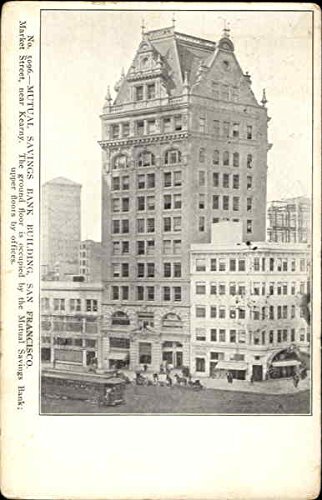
[177,270]
[125,182]
[201,202]
[115,183]
[150,181]
[216,128]
[177,247]
[150,245]
[213,311]
[200,312]
[151,90]
[249,204]
[249,226]
[232,336]
[176,223]
[215,202]
[140,203]
[222,265]
[141,181]
[167,179]
[236,203]
[226,127]
[125,129]
[213,334]
[200,265]
[201,224]
[125,204]
[139,93]
[222,312]
[177,178]
[167,125]
[215,179]
[202,155]
[150,203]
[140,128]
[200,334]
[225,202]
[235,130]
[167,201]
[232,289]
[202,124]
[241,265]
[256,264]
[225,181]
[140,293]
[166,293]
[200,365]
[150,270]
[249,132]
[150,292]
[140,225]
[249,182]
[150,225]
[178,122]
[232,312]
[177,201]
[116,205]
[140,270]
[115,226]
[167,270]
[151,127]
[115,293]
[125,270]
[115,131]
[213,289]
[177,293]
[271,264]
[222,335]
[140,247]
[125,226]
[235,181]
[125,293]
[91,305]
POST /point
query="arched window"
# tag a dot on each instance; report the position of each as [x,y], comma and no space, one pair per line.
[215,157]
[202,155]
[236,159]
[171,320]
[120,318]
[172,156]
[146,159]
[226,158]
[120,162]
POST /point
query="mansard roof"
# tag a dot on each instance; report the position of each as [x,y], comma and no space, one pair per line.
[178,58]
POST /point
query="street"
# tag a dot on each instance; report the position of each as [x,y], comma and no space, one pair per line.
[180,400]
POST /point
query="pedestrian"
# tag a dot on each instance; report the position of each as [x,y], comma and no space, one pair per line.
[145,367]
[228,377]
[169,381]
[296,380]
[252,379]
[155,378]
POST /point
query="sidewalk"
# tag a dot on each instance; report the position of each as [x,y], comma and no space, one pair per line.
[277,386]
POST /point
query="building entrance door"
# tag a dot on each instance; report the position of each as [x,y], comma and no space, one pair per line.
[179,357]
[257,373]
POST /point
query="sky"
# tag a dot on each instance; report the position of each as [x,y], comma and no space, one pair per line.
[82,52]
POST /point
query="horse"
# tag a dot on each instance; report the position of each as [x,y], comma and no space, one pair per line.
[181,380]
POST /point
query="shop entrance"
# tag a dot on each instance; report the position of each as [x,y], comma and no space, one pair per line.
[172,353]
[257,373]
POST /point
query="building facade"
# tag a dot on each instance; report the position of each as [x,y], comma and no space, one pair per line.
[90,260]
[60,228]
[70,324]
[184,144]
[249,306]
[289,220]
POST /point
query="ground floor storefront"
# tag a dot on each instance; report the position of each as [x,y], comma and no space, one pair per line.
[247,365]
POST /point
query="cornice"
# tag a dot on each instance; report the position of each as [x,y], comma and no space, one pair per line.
[143,140]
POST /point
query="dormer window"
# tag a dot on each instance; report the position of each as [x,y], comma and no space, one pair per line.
[151,91]
[139,93]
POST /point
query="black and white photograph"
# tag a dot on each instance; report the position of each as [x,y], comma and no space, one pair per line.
[176,212]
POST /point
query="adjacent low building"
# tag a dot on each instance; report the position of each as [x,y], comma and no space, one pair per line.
[249,312]
[70,324]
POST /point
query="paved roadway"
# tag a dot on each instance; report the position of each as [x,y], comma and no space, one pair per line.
[156,400]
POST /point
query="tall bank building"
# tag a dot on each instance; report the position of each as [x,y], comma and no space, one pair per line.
[184,145]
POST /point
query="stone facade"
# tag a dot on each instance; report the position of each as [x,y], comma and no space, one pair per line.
[184,144]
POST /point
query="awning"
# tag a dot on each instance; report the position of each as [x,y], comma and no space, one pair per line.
[231,365]
[118,355]
[288,362]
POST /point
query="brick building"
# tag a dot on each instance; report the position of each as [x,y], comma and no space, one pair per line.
[249,306]
[60,228]
[184,145]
